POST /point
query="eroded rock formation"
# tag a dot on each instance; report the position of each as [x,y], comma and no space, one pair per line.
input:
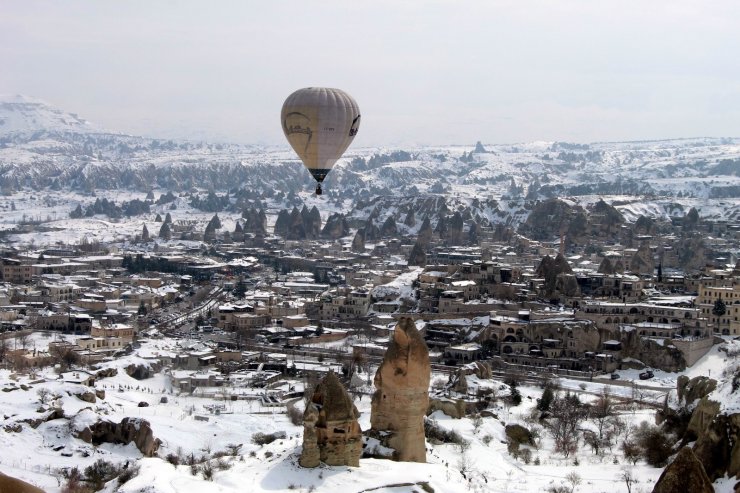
[712,429]
[14,485]
[401,398]
[336,227]
[685,473]
[128,430]
[331,433]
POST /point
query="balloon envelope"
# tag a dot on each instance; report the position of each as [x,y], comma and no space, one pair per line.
[320,123]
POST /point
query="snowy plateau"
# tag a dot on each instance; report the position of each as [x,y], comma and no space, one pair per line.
[52,161]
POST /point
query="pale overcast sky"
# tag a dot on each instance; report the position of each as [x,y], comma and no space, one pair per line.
[423,72]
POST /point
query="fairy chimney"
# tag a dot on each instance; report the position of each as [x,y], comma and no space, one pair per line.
[331,433]
[401,397]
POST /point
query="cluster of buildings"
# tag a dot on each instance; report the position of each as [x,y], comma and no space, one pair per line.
[516,302]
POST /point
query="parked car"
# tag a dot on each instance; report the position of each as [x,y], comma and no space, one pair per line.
[646,375]
[614,376]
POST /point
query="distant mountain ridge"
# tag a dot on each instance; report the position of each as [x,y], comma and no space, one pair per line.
[24,115]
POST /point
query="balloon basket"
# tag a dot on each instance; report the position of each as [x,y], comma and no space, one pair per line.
[318,190]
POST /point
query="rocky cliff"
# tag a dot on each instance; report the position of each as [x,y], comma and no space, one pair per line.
[714,423]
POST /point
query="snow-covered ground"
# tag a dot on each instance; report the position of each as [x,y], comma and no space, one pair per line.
[36,455]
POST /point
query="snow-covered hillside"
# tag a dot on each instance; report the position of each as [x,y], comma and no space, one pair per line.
[45,149]
[22,115]
[39,447]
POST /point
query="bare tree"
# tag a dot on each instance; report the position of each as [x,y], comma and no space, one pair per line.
[602,410]
[44,395]
[3,349]
[567,413]
[628,478]
[573,479]
[464,465]
[21,338]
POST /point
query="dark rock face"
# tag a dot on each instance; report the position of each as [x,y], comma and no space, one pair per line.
[552,217]
[371,231]
[558,276]
[254,222]
[389,228]
[418,256]
[685,473]
[331,433]
[312,222]
[282,223]
[140,372]
[298,224]
[606,267]
[336,227]
[425,232]
[642,260]
[128,430]
[358,243]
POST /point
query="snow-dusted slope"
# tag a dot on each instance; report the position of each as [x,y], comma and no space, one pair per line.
[43,147]
[24,115]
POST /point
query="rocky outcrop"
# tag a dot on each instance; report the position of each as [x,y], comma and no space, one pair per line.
[298,224]
[128,430]
[331,433]
[86,396]
[424,236]
[642,260]
[715,438]
[401,398]
[558,276]
[48,415]
[106,373]
[311,221]
[389,228]
[461,383]
[255,221]
[715,434]
[454,408]
[336,227]
[142,372]
[665,357]
[519,434]
[358,242]
[418,255]
[690,390]
[482,370]
[10,484]
[685,473]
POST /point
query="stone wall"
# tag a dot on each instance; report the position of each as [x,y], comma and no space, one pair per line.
[693,350]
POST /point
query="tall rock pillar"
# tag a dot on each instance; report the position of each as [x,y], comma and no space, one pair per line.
[401,397]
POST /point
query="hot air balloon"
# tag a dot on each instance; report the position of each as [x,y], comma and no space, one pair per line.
[320,123]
